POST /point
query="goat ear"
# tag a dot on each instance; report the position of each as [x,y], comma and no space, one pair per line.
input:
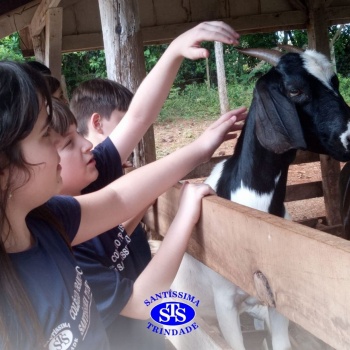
[277,122]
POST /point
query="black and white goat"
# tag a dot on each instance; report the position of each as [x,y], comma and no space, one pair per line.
[296,105]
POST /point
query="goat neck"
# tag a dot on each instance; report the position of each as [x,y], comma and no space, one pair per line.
[254,171]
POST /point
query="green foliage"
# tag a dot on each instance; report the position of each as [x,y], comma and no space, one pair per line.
[10,49]
[342,50]
[344,87]
[83,65]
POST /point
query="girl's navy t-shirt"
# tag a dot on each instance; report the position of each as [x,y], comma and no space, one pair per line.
[56,285]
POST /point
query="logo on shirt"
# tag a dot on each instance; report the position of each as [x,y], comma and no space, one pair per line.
[173,316]
[62,338]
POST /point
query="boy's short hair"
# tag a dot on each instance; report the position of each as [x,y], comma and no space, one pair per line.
[62,117]
[101,96]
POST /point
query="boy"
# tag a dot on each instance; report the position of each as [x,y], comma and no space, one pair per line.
[79,174]
[98,106]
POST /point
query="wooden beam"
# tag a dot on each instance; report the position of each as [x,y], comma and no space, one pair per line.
[338,14]
[26,42]
[244,25]
[204,169]
[307,190]
[81,42]
[166,33]
[39,47]
[308,270]
[17,19]
[53,40]
[38,22]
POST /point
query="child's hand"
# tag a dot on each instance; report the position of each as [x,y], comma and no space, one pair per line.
[219,132]
[188,44]
[191,199]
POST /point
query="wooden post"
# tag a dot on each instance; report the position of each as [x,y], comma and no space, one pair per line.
[330,168]
[220,67]
[39,47]
[53,40]
[46,33]
[125,62]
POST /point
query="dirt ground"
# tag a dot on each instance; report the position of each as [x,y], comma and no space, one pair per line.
[174,134]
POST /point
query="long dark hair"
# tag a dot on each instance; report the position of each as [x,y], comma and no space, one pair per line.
[20,88]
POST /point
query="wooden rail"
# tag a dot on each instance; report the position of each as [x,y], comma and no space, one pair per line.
[308,270]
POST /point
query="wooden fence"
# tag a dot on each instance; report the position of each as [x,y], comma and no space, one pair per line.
[308,270]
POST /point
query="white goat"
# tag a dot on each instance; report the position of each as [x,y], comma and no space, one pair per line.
[296,105]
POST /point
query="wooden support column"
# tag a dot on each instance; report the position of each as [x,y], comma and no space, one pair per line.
[330,168]
[46,32]
[125,61]
[53,41]
[39,47]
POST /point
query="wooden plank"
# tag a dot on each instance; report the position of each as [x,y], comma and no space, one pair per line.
[17,19]
[308,270]
[244,25]
[39,47]
[313,222]
[165,33]
[302,191]
[26,42]
[81,42]
[338,14]
[38,21]
[53,40]
[204,170]
[306,157]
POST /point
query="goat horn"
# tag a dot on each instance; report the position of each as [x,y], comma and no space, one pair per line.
[291,48]
[268,55]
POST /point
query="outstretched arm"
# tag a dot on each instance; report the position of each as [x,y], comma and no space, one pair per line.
[162,269]
[127,196]
[154,89]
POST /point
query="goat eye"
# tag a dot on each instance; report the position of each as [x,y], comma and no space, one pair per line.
[294,93]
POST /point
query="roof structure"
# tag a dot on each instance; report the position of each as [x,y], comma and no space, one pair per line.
[162,20]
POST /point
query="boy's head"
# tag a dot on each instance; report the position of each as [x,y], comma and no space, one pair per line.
[77,161]
[98,105]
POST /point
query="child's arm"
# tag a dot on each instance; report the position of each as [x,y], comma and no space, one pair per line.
[154,89]
[162,269]
[130,194]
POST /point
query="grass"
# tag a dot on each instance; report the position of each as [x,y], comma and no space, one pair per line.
[196,101]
